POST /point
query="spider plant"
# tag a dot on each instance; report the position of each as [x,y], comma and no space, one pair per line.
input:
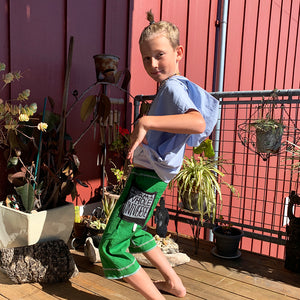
[199,181]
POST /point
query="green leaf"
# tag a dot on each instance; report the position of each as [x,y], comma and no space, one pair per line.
[206,147]
[26,192]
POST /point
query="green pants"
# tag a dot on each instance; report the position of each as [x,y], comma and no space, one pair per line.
[123,233]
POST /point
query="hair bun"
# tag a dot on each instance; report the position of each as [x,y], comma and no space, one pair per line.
[150,17]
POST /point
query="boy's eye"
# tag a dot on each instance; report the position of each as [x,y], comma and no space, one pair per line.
[159,55]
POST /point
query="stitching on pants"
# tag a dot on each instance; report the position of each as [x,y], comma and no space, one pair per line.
[124,268]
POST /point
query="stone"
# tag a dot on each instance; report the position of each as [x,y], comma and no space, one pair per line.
[170,250]
[174,259]
[91,250]
[45,262]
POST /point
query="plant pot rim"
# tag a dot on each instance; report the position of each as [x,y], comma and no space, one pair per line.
[239,232]
[23,229]
[106,55]
[34,212]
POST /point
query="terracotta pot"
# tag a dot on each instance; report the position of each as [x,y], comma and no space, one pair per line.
[106,67]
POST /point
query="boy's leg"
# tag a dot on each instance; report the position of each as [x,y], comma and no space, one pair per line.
[172,283]
[143,284]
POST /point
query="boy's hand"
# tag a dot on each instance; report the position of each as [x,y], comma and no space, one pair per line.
[137,137]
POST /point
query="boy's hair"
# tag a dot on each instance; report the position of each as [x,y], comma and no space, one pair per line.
[167,29]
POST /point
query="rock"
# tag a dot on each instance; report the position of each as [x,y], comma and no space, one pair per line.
[45,262]
[167,245]
[174,259]
[91,250]
[169,248]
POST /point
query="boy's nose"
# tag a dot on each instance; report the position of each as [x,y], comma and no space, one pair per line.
[154,63]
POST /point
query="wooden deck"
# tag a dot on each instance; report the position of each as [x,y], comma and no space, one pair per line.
[205,277]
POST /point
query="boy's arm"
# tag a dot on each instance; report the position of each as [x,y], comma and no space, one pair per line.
[191,122]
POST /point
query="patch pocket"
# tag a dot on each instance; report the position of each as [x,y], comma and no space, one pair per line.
[137,206]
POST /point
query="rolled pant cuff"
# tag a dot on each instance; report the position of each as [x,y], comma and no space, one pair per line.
[122,273]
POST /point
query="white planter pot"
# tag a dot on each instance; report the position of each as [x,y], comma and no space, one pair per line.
[19,229]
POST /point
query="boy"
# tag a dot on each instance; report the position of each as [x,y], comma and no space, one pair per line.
[181,113]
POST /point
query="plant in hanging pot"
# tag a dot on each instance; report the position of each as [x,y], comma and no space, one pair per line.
[268,134]
[268,128]
[199,181]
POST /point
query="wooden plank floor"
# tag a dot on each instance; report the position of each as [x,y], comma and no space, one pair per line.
[205,277]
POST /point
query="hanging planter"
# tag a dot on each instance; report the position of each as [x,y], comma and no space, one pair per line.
[268,128]
[268,135]
[106,67]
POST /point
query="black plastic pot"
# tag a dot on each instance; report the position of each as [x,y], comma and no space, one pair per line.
[227,241]
[193,206]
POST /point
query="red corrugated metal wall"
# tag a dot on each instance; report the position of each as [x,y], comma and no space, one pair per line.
[262,49]
[35,39]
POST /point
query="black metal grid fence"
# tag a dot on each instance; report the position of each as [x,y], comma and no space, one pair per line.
[264,182]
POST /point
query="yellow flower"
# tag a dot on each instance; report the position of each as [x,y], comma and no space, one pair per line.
[42,126]
[23,118]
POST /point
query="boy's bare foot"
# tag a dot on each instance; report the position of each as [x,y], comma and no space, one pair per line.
[178,291]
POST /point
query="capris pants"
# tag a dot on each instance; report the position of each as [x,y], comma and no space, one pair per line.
[124,232]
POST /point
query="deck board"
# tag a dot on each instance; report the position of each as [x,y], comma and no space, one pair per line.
[252,276]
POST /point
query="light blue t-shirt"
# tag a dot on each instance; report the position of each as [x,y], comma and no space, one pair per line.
[165,151]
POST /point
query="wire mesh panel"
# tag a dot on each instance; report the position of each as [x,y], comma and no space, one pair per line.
[263,181]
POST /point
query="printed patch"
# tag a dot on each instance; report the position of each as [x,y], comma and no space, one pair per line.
[137,206]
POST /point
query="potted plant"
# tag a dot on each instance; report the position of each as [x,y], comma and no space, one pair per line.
[227,240]
[199,181]
[38,180]
[268,134]
[268,128]
[90,225]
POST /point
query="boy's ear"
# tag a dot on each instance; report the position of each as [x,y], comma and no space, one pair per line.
[179,51]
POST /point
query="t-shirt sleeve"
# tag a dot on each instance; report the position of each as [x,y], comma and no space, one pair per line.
[184,95]
[176,99]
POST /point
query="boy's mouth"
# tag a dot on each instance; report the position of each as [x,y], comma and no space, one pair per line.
[155,73]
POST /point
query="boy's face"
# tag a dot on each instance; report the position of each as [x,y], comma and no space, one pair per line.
[160,58]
